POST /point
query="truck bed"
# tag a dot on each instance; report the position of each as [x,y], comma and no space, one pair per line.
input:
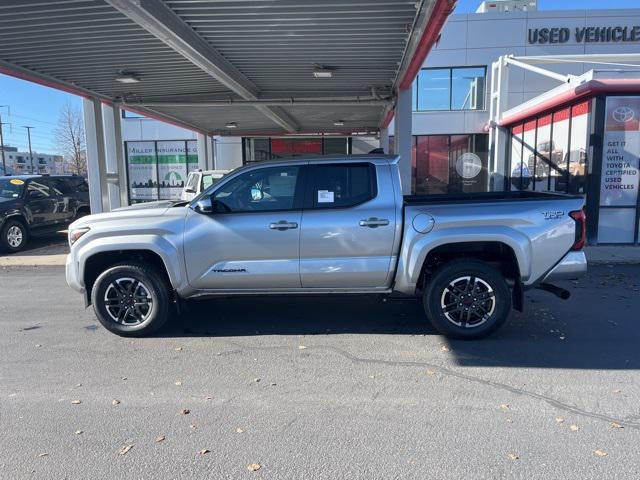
[485,197]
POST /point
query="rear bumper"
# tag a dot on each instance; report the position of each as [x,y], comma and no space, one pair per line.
[573,265]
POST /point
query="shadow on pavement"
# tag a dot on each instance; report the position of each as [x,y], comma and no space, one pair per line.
[50,244]
[598,328]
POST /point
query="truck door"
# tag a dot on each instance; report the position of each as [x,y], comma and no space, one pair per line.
[252,240]
[348,226]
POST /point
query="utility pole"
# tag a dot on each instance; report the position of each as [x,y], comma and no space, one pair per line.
[4,164]
[30,152]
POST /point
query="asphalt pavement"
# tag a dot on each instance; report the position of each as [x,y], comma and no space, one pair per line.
[310,388]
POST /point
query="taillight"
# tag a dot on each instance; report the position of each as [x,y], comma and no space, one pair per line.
[581,229]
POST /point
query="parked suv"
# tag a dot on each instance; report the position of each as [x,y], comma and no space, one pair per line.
[33,205]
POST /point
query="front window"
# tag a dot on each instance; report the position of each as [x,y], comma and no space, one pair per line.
[11,188]
[455,88]
[265,189]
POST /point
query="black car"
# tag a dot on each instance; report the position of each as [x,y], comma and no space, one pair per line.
[32,205]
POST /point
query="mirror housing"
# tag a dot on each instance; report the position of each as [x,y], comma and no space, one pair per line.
[204,205]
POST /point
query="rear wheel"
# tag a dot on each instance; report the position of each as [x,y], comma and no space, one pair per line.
[131,300]
[467,299]
[14,235]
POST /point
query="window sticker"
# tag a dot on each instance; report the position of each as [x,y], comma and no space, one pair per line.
[325,196]
[16,181]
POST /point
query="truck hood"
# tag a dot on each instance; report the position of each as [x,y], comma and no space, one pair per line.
[135,214]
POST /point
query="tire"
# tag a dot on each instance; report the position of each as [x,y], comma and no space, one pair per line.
[489,311]
[14,236]
[114,288]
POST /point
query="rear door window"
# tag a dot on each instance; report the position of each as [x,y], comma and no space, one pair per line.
[38,189]
[343,185]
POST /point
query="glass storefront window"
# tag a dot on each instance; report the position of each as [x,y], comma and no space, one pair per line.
[544,148]
[578,148]
[559,156]
[528,152]
[258,149]
[450,164]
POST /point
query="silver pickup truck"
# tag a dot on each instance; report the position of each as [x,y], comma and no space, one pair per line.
[327,226]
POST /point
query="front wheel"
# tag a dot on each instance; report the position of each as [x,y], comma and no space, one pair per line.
[467,299]
[131,300]
[14,235]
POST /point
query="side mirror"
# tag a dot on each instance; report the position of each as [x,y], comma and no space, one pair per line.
[204,205]
[190,190]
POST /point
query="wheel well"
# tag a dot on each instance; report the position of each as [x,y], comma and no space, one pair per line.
[19,218]
[497,254]
[98,263]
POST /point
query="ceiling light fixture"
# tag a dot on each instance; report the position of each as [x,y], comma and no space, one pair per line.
[231,125]
[127,77]
[322,73]
[339,123]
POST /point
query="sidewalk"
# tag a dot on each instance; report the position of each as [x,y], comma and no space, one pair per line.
[40,253]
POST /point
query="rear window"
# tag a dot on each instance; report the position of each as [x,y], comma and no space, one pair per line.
[343,185]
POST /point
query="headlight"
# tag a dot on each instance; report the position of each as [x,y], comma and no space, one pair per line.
[76,233]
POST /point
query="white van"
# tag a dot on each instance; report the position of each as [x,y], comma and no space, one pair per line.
[199,180]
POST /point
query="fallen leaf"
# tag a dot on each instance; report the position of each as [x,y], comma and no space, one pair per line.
[513,456]
[431,372]
[505,406]
[124,378]
[301,347]
[185,411]
[76,402]
[192,426]
[574,428]
[78,384]
[253,467]
[124,450]
[257,380]
[239,430]
[43,454]
[78,432]
[161,438]
[273,384]
[204,451]
[616,425]
[115,402]
[600,453]
[177,349]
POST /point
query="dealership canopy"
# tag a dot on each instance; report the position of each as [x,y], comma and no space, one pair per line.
[234,67]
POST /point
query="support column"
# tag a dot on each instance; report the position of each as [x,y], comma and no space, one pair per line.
[113,151]
[202,151]
[384,140]
[210,153]
[403,136]
[96,159]
[498,137]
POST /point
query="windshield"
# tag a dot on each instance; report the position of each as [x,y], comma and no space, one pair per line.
[11,187]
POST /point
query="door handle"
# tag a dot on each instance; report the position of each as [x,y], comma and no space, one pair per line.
[374,222]
[283,225]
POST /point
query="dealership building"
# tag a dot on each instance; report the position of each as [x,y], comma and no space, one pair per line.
[562,72]
[507,98]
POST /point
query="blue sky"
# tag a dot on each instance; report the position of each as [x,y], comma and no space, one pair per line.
[38,106]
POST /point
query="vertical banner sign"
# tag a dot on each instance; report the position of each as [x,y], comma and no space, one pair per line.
[143,175]
[619,184]
[172,169]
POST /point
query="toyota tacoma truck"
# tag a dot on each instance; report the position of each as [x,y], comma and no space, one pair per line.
[329,225]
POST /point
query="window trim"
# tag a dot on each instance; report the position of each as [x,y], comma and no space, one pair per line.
[298,196]
[310,202]
[450,109]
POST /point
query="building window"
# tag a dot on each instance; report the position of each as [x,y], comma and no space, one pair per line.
[454,88]
[450,164]
[549,153]
[260,149]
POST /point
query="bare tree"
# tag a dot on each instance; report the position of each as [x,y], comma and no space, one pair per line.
[70,140]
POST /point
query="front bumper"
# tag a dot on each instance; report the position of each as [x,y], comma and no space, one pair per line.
[72,273]
[573,265]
